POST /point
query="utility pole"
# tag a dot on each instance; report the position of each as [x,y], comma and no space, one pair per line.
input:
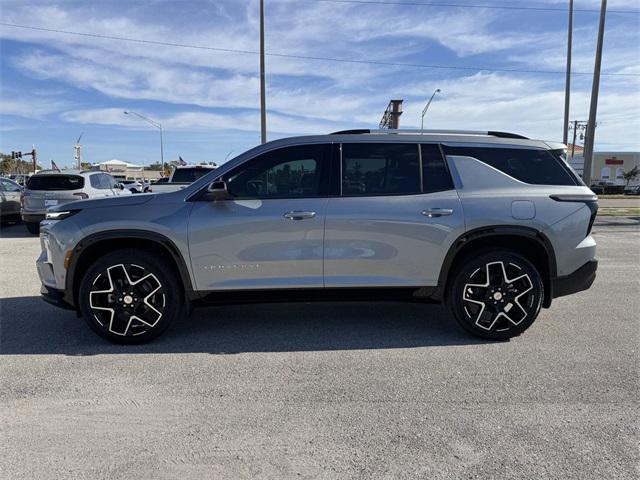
[263,101]
[567,86]
[591,126]
[577,126]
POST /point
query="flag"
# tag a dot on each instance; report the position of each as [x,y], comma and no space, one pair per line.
[54,166]
[181,161]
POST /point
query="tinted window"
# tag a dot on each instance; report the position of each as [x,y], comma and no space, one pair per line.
[435,175]
[284,173]
[536,167]
[380,169]
[189,174]
[55,182]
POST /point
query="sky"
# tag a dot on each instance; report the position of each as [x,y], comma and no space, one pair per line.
[508,72]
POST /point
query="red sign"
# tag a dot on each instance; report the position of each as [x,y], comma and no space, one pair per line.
[613,161]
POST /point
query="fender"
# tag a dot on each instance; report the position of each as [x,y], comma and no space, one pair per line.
[133,234]
[499,231]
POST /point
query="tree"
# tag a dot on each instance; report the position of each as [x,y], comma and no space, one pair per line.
[631,175]
[7,164]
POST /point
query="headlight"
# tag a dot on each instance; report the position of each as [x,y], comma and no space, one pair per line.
[60,215]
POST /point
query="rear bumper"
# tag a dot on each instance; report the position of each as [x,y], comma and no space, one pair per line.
[575,282]
[54,297]
[32,217]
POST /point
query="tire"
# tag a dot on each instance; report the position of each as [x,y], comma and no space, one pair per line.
[496,295]
[33,228]
[130,296]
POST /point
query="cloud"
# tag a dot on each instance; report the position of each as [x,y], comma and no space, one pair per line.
[204,90]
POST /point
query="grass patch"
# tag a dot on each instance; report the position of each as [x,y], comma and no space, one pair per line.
[618,212]
[619,197]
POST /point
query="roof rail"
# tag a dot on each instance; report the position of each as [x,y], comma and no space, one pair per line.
[405,131]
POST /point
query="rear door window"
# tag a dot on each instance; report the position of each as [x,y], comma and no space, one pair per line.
[534,166]
[55,182]
[370,169]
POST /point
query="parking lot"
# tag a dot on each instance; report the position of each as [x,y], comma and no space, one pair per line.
[341,390]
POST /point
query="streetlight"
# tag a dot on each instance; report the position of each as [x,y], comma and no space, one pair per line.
[158,126]
[424,111]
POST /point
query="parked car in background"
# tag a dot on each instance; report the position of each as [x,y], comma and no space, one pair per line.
[492,224]
[182,177]
[137,186]
[10,193]
[632,190]
[51,188]
[20,178]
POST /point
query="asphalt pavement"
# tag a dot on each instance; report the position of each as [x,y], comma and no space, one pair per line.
[334,390]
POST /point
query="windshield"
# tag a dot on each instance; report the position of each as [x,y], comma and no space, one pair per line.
[55,182]
[189,174]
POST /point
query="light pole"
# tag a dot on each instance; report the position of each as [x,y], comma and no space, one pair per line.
[567,83]
[155,124]
[263,100]
[424,110]
[593,109]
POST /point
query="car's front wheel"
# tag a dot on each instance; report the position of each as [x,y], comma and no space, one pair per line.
[130,296]
[496,295]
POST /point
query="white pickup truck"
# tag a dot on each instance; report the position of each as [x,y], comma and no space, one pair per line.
[180,178]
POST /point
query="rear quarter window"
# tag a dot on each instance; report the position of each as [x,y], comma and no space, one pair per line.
[55,182]
[533,166]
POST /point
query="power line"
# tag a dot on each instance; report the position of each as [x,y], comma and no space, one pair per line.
[307,57]
[467,5]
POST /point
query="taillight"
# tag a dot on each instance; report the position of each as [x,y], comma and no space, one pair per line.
[590,201]
[82,195]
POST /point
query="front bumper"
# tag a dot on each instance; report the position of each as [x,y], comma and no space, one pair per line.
[54,297]
[575,282]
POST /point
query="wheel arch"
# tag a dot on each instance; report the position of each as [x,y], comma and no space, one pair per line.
[101,243]
[528,242]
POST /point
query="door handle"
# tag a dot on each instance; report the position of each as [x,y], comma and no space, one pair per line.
[437,212]
[299,215]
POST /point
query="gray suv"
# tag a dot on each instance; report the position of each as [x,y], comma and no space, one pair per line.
[492,224]
[52,187]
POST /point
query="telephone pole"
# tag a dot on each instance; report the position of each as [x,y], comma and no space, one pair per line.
[567,86]
[591,126]
[263,102]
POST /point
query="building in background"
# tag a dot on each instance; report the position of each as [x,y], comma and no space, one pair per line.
[608,167]
[122,170]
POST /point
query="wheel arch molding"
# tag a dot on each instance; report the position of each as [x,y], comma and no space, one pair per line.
[533,245]
[100,243]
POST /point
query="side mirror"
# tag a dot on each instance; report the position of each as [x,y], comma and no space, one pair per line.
[218,190]
[121,186]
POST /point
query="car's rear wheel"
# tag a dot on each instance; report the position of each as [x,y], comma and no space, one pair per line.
[33,228]
[130,296]
[496,295]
